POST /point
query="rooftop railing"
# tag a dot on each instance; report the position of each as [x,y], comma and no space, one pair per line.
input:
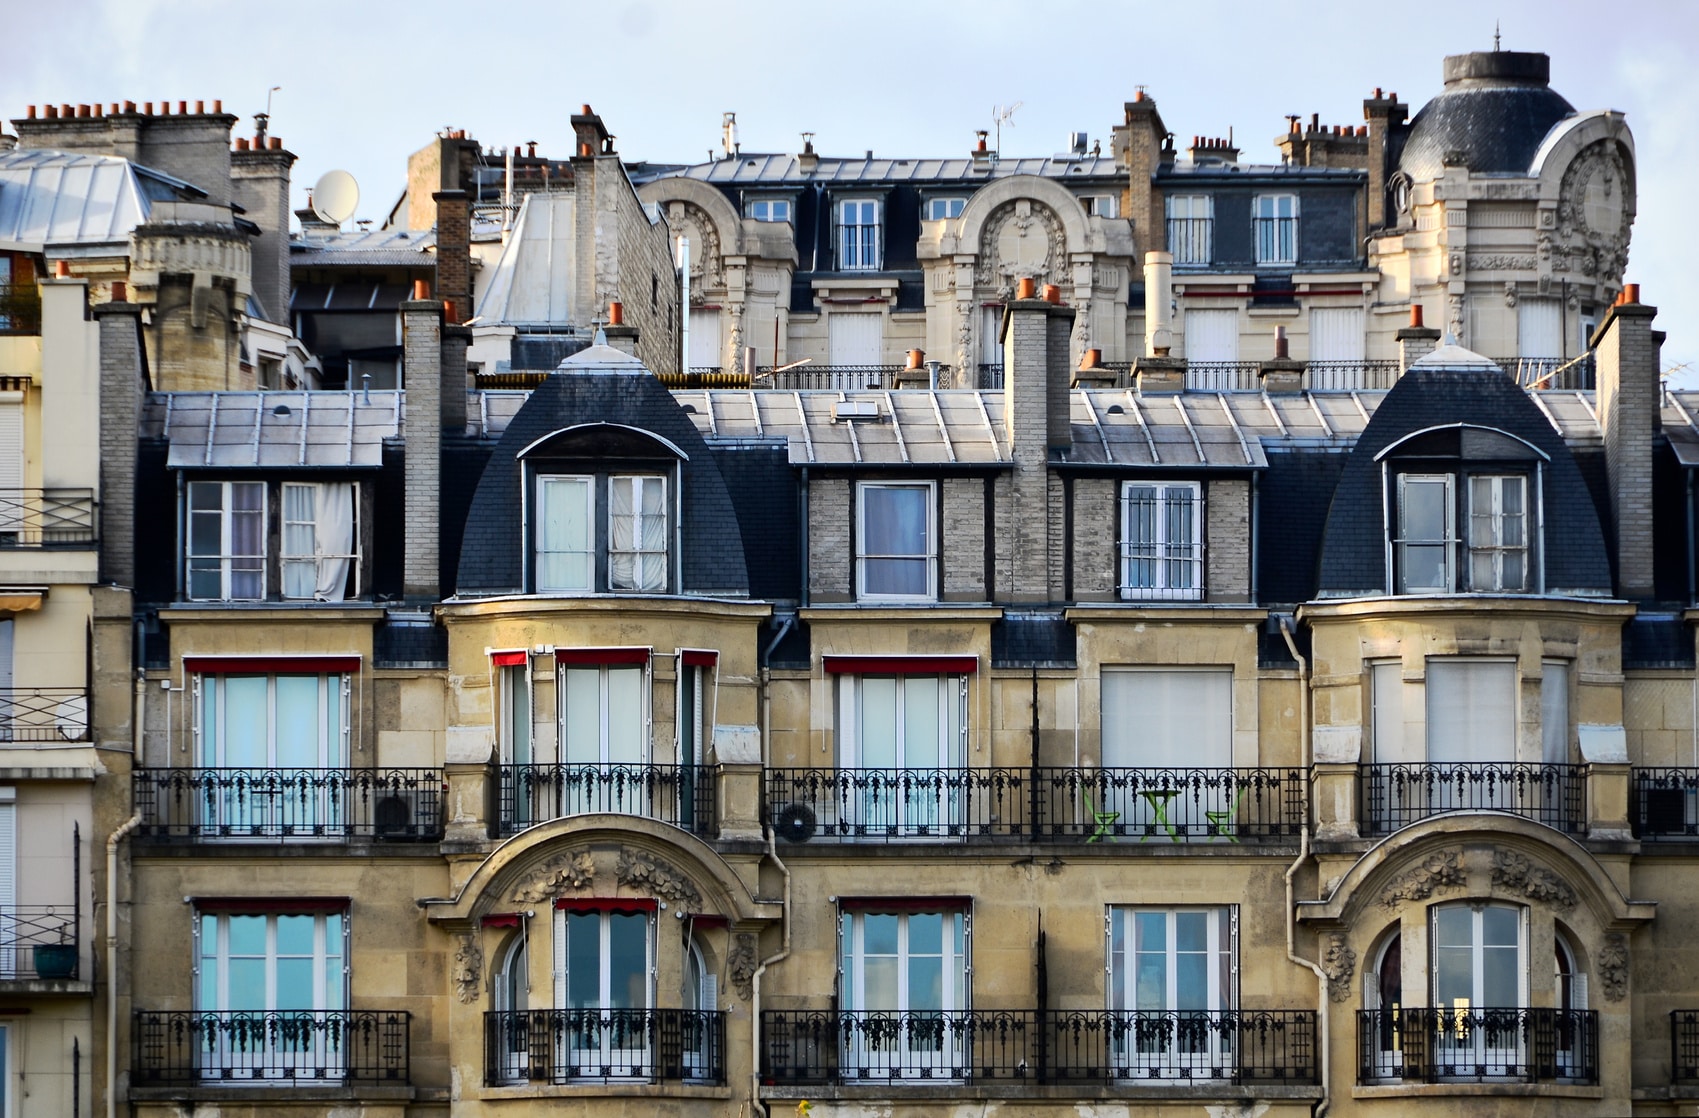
[836,378]
[209,805]
[1480,1044]
[1395,796]
[299,1047]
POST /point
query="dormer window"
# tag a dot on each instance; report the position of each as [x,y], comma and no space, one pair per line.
[770,209]
[859,248]
[942,209]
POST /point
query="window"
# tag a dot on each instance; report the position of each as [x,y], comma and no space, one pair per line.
[1498,532]
[603,715]
[565,548]
[1275,218]
[858,236]
[602,964]
[939,209]
[1495,551]
[1177,969]
[1191,228]
[227,528]
[270,740]
[1163,730]
[896,546]
[637,533]
[1554,712]
[252,964]
[770,209]
[1471,710]
[320,534]
[1479,953]
[903,736]
[1426,533]
[1161,540]
[1101,205]
[910,969]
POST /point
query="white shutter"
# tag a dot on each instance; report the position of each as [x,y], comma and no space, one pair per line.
[990,325]
[705,339]
[1539,327]
[856,338]
[1577,991]
[1390,744]
[710,991]
[1471,710]
[1167,718]
[11,464]
[1336,334]
[560,958]
[8,849]
[1212,335]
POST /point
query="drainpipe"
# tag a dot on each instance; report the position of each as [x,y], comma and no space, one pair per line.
[117,837]
[1303,856]
[773,853]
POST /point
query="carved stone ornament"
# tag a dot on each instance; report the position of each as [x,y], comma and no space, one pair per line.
[1023,238]
[1596,208]
[1510,293]
[639,870]
[573,870]
[1613,967]
[707,269]
[1454,320]
[740,966]
[1339,963]
[1514,873]
[1438,872]
[468,969]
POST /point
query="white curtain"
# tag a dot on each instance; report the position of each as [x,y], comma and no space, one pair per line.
[1471,710]
[334,525]
[1180,718]
[563,552]
[637,530]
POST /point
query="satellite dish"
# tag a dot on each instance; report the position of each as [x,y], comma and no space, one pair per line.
[335,196]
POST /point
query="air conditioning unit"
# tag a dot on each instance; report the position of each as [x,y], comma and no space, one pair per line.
[396,816]
[796,822]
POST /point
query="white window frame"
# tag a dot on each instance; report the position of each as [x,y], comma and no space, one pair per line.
[588,551]
[639,483]
[1160,1049]
[774,210]
[860,252]
[1106,206]
[1402,541]
[945,208]
[1176,565]
[228,563]
[929,550]
[1281,241]
[1191,208]
[916,1051]
[315,558]
[887,804]
[1495,521]
[606,713]
[635,1056]
[212,710]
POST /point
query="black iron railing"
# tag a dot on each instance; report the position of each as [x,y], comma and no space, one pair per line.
[846,805]
[604,1046]
[1684,1046]
[38,942]
[1234,1046]
[837,378]
[1350,376]
[1276,239]
[1395,796]
[1169,805]
[1515,1045]
[682,795]
[1223,376]
[285,1046]
[990,375]
[43,714]
[1036,1046]
[1665,804]
[397,805]
[47,518]
[20,308]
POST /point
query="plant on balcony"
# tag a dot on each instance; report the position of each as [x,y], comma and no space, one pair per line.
[56,955]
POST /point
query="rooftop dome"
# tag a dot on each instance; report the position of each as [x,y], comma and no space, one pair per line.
[1495,108]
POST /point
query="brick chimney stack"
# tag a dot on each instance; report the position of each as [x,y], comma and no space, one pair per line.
[1625,350]
[193,146]
[1385,115]
[422,353]
[454,252]
[1037,399]
[1148,146]
[259,180]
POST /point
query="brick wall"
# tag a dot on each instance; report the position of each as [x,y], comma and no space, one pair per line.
[421,341]
[831,540]
[1024,516]
[963,541]
[120,411]
[1096,539]
[1227,535]
[454,252]
[260,185]
[1627,363]
[632,260]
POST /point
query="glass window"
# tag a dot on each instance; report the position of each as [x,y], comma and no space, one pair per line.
[1101,205]
[1425,534]
[1275,218]
[1478,957]
[1498,532]
[1471,710]
[227,528]
[565,547]
[1554,712]
[911,969]
[1178,965]
[770,209]
[637,533]
[900,733]
[1167,718]
[320,537]
[273,743]
[1161,540]
[602,963]
[896,550]
[248,966]
[602,714]
[1191,228]
[858,235]
[938,209]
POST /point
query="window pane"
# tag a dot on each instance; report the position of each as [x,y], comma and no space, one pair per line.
[879,935]
[245,719]
[298,721]
[581,716]
[1163,718]
[895,520]
[625,715]
[1554,712]
[920,723]
[878,744]
[1471,710]
[628,956]
[583,960]
[563,552]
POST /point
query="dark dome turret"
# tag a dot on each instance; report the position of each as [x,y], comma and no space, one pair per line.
[1496,108]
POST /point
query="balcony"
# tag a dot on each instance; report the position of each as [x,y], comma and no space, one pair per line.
[20,309]
[682,795]
[561,1046]
[1684,1047]
[55,518]
[833,378]
[43,715]
[38,944]
[1191,241]
[1038,1047]
[299,1048]
[216,805]
[1664,804]
[1395,796]
[1478,1045]
[1046,805]
[1350,376]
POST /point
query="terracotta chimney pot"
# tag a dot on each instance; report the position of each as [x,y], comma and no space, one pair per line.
[1024,289]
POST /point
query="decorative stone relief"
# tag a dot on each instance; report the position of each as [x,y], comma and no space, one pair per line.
[468,969]
[1454,319]
[740,966]
[1510,293]
[648,873]
[1438,872]
[1513,872]
[706,267]
[736,336]
[1613,967]
[573,870]
[1339,963]
[1596,208]
[964,346]
[1022,238]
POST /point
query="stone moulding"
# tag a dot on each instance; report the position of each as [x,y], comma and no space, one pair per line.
[1613,967]
[1515,873]
[1438,872]
[640,870]
[1339,963]
[573,870]
[468,968]
[740,966]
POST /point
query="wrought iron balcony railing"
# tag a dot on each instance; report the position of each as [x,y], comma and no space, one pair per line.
[848,805]
[302,1047]
[397,805]
[836,378]
[1223,376]
[1395,796]
[38,942]
[1350,376]
[682,795]
[43,715]
[1484,1043]
[1684,1046]
[62,518]
[990,375]
[1170,805]
[1665,804]
[604,1046]
[1039,1046]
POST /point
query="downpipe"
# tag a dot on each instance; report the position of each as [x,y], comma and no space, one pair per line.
[784,951]
[1322,1001]
[112,842]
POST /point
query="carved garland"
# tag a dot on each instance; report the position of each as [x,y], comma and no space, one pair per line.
[992,271]
[468,969]
[640,870]
[1515,873]
[1438,872]
[707,268]
[1613,967]
[1339,963]
[740,966]
[572,870]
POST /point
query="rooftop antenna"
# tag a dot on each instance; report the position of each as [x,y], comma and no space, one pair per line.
[334,197]
[1495,36]
[1002,114]
[262,119]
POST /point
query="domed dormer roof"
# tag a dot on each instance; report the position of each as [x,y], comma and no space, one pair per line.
[1495,109]
[601,358]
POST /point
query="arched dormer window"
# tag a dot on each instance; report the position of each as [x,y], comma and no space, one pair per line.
[602,511]
[1464,512]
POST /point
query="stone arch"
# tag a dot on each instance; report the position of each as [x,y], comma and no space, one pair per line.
[714,208]
[986,201]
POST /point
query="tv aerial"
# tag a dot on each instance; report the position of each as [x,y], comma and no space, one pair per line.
[1004,114]
[335,197]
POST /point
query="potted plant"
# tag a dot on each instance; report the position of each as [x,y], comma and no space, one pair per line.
[57,960]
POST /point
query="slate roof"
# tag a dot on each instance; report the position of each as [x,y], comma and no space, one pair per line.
[273,430]
[1498,127]
[58,198]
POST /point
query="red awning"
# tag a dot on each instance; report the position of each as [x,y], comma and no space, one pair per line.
[902,665]
[904,904]
[601,655]
[502,920]
[271,906]
[270,665]
[700,657]
[509,659]
[606,904]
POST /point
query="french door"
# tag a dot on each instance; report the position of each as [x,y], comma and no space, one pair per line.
[268,986]
[903,754]
[603,962]
[1172,975]
[284,735]
[1479,985]
[904,981]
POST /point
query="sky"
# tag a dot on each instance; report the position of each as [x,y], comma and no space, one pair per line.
[366,82]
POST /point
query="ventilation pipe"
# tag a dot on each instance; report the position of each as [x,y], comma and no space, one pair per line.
[1158,303]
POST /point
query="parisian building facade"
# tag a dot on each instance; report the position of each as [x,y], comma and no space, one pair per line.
[566,648]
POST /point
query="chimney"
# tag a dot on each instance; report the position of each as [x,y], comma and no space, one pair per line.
[1147,141]
[1415,341]
[422,354]
[590,132]
[1385,115]
[983,156]
[259,182]
[1625,352]
[619,335]
[808,161]
[454,251]
[123,382]
[1281,374]
[1037,403]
